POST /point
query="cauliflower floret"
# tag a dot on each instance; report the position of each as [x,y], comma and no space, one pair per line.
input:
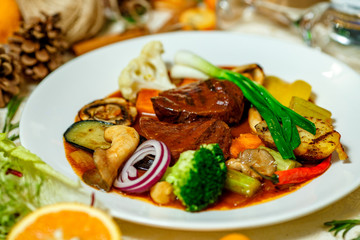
[148,70]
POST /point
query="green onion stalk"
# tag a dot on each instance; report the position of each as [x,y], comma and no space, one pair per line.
[12,108]
[281,120]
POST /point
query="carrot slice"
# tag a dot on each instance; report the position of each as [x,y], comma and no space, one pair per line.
[143,100]
[243,142]
[97,42]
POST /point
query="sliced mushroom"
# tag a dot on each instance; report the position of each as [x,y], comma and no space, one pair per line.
[114,110]
[259,159]
[252,71]
[313,148]
[236,164]
[254,118]
[124,141]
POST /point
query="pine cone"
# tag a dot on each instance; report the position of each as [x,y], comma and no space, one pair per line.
[9,77]
[39,46]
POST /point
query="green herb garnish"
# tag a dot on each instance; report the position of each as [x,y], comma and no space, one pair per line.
[340,225]
[281,120]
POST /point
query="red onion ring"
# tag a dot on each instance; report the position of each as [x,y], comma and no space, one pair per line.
[128,181]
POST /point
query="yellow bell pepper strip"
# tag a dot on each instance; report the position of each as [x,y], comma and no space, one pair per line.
[283,91]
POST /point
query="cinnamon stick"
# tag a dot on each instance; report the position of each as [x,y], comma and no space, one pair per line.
[97,42]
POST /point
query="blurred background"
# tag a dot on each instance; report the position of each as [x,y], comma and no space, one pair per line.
[38,36]
[330,26]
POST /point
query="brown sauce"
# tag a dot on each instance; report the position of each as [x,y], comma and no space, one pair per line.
[228,200]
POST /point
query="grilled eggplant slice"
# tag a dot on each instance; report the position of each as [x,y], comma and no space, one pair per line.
[88,135]
[115,110]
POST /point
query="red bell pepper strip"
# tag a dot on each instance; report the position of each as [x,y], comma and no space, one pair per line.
[301,174]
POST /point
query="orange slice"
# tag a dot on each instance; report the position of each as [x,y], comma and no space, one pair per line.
[235,236]
[66,221]
[9,19]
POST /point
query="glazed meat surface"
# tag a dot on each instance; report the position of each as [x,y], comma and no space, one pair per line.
[212,98]
[187,136]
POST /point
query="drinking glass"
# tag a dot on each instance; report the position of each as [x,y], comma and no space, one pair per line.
[330,26]
[335,29]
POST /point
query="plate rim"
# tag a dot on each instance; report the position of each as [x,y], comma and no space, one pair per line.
[163,224]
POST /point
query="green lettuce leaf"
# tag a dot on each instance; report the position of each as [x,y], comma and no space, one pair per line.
[38,185]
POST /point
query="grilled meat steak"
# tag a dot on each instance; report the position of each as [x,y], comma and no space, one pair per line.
[212,98]
[187,136]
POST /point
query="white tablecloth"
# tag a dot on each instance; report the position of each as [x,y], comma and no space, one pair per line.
[306,228]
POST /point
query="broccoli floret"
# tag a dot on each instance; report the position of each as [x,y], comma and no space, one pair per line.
[198,177]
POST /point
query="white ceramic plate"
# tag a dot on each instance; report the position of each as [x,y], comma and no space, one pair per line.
[51,109]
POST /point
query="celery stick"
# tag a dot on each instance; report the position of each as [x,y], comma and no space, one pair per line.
[241,183]
[309,109]
[282,164]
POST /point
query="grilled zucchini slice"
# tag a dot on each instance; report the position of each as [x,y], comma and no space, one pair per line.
[87,135]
